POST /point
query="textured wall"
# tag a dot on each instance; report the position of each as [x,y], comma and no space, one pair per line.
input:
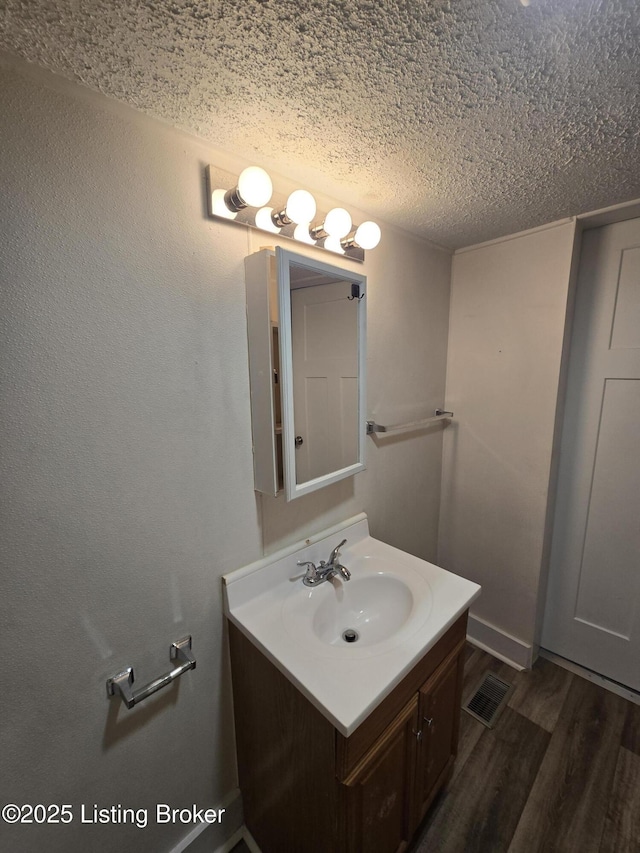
[464,120]
[126,455]
[507,321]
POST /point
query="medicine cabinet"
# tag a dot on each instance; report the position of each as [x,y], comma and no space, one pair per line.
[306,323]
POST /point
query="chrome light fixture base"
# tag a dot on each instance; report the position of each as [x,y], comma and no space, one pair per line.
[280,219]
[233,200]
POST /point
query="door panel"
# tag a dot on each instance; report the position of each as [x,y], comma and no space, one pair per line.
[626,321]
[325,378]
[608,583]
[592,615]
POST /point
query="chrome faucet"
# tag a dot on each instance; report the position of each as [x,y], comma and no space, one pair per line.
[319,574]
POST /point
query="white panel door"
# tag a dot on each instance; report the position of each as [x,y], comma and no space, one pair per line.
[325,378]
[592,615]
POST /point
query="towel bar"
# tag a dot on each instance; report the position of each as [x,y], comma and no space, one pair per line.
[440,415]
[120,684]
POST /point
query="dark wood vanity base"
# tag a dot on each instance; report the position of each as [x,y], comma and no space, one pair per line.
[308,789]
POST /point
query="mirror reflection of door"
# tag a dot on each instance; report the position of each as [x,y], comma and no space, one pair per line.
[325,377]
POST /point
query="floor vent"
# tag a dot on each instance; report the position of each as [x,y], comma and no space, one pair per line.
[489,699]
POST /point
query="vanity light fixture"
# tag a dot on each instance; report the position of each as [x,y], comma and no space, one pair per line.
[248,199]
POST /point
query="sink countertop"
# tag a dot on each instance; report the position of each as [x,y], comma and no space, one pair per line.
[269,603]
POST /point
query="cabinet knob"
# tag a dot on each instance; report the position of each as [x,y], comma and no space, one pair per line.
[418,734]
[299,440]
[428,721]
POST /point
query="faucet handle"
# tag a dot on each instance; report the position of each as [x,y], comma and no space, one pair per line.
[312,571]
[335,552]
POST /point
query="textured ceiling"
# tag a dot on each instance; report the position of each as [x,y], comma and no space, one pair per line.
[461,120]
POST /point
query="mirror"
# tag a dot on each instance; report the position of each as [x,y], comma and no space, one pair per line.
[322,357]
[306,325]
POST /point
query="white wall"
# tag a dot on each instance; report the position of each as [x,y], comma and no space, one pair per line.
[126,454]
[507,326]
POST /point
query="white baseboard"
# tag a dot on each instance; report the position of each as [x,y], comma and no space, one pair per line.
[498,643]
[216,837]
[230,843]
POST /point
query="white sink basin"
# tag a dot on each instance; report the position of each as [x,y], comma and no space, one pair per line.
[367,611]
[369,614]
[397,605]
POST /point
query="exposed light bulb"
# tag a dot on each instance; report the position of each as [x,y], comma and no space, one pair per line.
[254,186]
[367,235]
[254,189]
[301,207]
[301,233]
[218,206]
[334,245]
[337,223]
[299,210]
[264,220]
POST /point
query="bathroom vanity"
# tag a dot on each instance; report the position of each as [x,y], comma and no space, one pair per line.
[342,746]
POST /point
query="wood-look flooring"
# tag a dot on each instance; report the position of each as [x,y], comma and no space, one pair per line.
[559,773]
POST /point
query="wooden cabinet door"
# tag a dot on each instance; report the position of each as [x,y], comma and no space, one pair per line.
[377,795]
[439,710]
